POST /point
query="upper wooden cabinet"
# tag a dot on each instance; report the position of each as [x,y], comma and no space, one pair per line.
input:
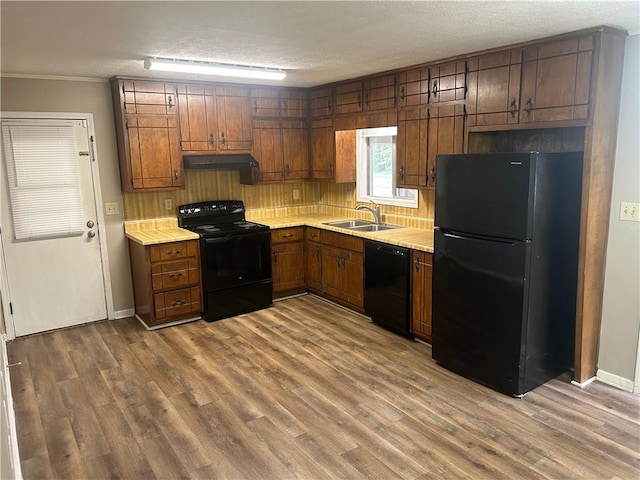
[279,103]
[556,79]
[494,88]
[448,82]
[423,133]
[413,87]
[321,102]
[281,148]
[548,82]
[371,94]
[147,135]
[214,119]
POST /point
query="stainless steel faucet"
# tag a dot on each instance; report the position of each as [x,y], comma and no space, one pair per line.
[374,211]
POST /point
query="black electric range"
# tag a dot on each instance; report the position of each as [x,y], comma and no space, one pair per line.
[235,257]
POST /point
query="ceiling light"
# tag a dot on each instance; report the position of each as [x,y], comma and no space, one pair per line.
[209,68]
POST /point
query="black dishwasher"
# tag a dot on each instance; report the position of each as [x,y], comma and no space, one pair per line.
[386,285]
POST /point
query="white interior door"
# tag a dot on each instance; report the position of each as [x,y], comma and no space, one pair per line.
[55,281]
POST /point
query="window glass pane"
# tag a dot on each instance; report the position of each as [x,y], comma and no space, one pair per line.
[381,166]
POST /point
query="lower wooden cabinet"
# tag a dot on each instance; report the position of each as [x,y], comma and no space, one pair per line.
[166,281]
[421,277]
[287,261]
[335,267]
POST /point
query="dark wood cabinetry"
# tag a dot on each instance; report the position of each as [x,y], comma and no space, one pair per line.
[413,87]
[166,281]
[321,102]
[423,133]
[214,119]
[279,103]
[448,82]
[146,117]
[421,278]
[556,79]
[374,93]
[335,267]
[328,159]
[288,261]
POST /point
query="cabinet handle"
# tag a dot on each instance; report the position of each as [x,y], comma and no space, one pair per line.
[175,274]
[318,255]
[343,257]
[255,106]
[359,98]
[173,252]
[528,107]
[176,175]
[402,94]
[329,106]
[402,174]
[513,109]
[287,235]
[223,139]
[275,257]
[435,88]
[366,99]
[416,262]
[170,98]
[432,174]
[313,235]
[212,139]
[284,105]
[287,170]
[179,303]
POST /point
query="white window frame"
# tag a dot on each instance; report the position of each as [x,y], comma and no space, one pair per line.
[363,173]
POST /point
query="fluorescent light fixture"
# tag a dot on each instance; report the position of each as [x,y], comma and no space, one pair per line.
[208,68]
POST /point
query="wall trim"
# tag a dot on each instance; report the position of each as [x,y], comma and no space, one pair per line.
[126,313]
[14,452]
[615,380]
[584,384]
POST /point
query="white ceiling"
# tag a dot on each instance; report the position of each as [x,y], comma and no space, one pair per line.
[316,41]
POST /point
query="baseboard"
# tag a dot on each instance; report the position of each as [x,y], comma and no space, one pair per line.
[583,384]
[129,312]
[615,380]
[13,470]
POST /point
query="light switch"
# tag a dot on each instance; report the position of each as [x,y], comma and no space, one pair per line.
[630,211]
[111,208]
[296,194]
[168,204]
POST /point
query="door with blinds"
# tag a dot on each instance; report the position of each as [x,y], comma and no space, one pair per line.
[50,233]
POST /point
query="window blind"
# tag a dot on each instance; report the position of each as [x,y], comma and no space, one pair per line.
[44,178]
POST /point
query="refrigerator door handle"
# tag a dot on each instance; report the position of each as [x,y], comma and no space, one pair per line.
[467,236]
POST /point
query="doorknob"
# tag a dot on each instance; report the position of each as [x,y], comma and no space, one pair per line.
[91,234]
[90,224]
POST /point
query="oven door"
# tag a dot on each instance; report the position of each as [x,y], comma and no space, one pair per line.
[236,260]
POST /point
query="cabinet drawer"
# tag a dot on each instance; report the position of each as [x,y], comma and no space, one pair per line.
[175,274]
[342,241]
[172,251]
[312,234]
[283,235]
[177,303]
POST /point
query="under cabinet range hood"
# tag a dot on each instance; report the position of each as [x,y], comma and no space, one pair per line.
[239,160]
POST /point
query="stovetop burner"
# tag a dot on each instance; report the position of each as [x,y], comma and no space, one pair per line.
[216,218]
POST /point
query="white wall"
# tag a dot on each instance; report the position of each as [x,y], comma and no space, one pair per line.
[619,335]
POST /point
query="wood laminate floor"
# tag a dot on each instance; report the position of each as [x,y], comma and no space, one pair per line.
[303,389]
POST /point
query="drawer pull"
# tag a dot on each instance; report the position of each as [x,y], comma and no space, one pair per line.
[179,303]
[173,252]
[287,235]
[175,274]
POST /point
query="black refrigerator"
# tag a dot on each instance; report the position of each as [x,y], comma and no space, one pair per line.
[505,266]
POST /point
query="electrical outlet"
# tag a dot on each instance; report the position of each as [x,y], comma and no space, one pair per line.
[168,204]
[296,194]
[630,211]
[111,208]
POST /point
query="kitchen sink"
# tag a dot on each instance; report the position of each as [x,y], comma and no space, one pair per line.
[349,223]
[374,227]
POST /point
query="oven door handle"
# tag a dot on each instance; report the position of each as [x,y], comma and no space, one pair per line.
[232,237]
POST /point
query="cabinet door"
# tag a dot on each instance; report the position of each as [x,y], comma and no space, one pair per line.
[295,149]
[267,149]
[313,263]
[448,82]
[421,279]
[265,102]
[198,119]
[413,87]
[322,150]
[353,271]
[153,152]
[333,278]
[494,89]
[445,135]
[556,79]
[412,148]
[234,119]
[349,97]
[321,102]
[379,93]
[148,98]
[294,103]
[288,267]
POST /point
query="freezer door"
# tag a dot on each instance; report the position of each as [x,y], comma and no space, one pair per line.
[479,305]
[485,194]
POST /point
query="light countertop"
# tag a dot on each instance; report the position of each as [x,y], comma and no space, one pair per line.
[150,232]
